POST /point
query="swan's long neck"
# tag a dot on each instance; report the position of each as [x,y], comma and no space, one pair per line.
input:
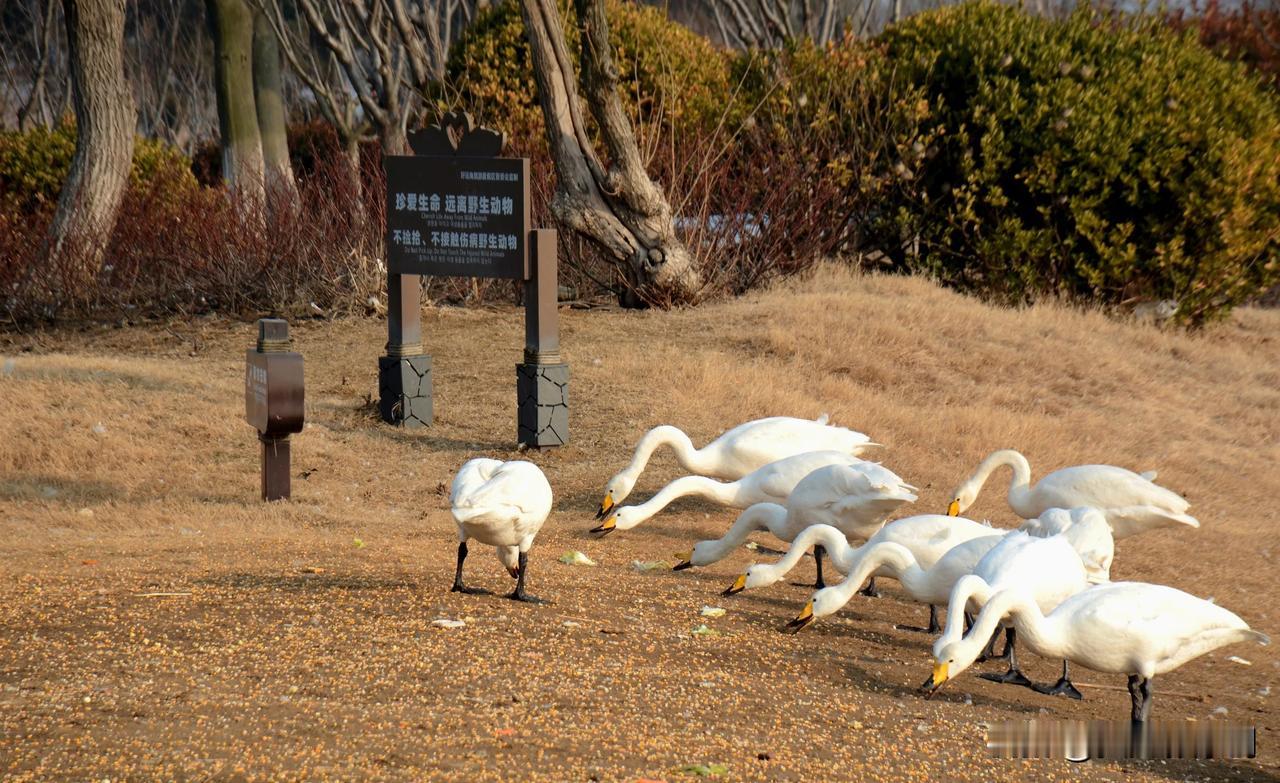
[969,586]
[701,486]
[825,536]
[656,438]
[887,553]
[1040,634]
[760,516]
[1019,486]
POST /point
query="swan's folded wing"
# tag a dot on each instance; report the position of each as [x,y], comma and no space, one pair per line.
[471,476]
[513,485]
[1130,520]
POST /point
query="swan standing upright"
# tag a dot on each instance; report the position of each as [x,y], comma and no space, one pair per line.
[771,484]
[855,499]
[1131,628]
[502,504]
[735,453]
[1131,502]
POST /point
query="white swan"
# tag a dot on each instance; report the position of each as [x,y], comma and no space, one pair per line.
[855,499]
[1131,502]
[502,504]
[1049,569]
[735,453]
[927,536]
[1087,530]
[771,484]
[927,585]
[1130,628]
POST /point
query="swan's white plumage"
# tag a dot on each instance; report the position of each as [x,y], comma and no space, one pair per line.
[1087,530]
[772,483]
[854,499]
[737,452]
[1131,502]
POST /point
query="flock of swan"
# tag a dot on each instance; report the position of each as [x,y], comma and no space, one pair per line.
[1046,585]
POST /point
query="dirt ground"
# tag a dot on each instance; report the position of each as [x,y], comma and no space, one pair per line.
[158,622]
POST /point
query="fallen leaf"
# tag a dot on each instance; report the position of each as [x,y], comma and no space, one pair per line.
[712,611]
[443,623]
[313,570]
[574,557]
[650,565]
[703,630]
[704,770]
[358,542]
[88,562]
[504,732]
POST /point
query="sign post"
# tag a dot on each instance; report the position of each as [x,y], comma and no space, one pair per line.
[456,208]
[273,402]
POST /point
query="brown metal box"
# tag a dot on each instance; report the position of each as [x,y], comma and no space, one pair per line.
[273,392]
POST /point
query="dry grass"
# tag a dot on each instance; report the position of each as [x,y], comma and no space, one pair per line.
[264,667]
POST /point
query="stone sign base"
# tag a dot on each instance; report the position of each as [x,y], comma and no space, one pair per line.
[404,390]
[542,394]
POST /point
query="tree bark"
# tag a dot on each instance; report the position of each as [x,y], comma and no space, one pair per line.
[105,118]
[243,167]
[280,183]
[620,209]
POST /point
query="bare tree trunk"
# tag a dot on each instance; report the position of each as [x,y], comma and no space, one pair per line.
[242,163]
[38,99]
[620,209]
[279,179]
[105,118]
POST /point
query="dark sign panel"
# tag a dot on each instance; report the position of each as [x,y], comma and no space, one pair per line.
[273,392]
[458,216]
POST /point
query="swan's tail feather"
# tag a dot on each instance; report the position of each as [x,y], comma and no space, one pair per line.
[1259,637]
[1131,520]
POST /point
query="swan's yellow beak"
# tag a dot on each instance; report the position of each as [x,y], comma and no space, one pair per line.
[738,585]
[939,675]
[802,620]
[606,526]
[953,510]
[685,561]
[605,505]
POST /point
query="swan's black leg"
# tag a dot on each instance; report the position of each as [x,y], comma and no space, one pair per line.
[1014,676]
[1140,694]
[520,594]
[933,623]
[458,587]
[1062,687]
[989,652]
[870,590]
[968,622]
[817,556]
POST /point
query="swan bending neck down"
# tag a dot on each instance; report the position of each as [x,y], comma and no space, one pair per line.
[759,516]
[1131,502]
[725,493]
[1019,486]
[1130,628]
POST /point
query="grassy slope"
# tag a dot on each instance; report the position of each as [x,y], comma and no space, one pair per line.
[264,665]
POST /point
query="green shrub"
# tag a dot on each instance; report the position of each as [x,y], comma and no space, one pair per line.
[35,164]
[1096,156]
[667,72]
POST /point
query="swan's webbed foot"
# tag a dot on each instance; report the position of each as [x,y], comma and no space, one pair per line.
[870,590]
[458,586]
[1012,677]
[1062,687]
[519,594]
